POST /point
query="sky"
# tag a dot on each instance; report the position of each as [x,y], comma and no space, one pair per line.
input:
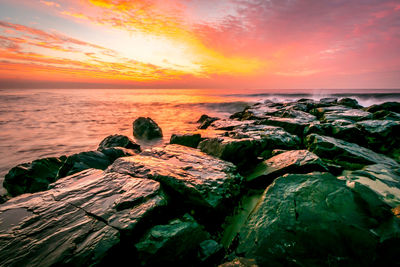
[254,44]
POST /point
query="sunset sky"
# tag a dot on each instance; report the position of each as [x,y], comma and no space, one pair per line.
[200,43]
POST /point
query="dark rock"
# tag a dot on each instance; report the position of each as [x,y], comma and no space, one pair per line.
[118,140]
[80,221]
[382,179]
[294,126]
[349,102]
[32,177]
[245,144]
[388,106]
[317,127]
[320,111]
[210,251]
[113,153]
[240,262]
[190,140]
[175,242]
[349,133]
[294,161]
[206,121]
[229,125]
[348,155]
[350,114]
[386,115]
[315,220]
[198,179]
[146,128]
[329,100]
[82,161]
[381,136]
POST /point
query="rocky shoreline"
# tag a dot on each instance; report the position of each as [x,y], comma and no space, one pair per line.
[304,183]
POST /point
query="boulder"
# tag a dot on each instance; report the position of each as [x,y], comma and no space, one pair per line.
[32,177]
[329,100]
[210,251]
[388,106]
[190,140]
[382,179]
[315,220]
[82,161]
[381,135]
[175,242]
[146,128]
[349,102]
[348,155]
[82,220]
[243,145]
[386,115]
[118,140]
[294,161]
[195,177]
[320,111]
[349,114]
[206,121]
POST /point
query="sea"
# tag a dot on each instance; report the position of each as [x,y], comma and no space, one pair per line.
[37,123]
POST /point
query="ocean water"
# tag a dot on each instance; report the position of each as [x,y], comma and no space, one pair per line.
[39,123]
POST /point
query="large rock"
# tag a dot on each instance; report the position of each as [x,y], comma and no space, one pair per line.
[146,128]
[80,221]
[188,139]
[349,114]
[348,155]
[349,102]
[315,220]
[295,161]
[382,136]
[175,242]
[206,121]
[118,140]
[383,180]
[82,161]
[243,145]
[32,177]
[388,106]
[198,179]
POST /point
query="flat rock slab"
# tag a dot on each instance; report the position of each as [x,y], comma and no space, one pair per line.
[198,178]
[348,155]
[315,220]
[383,180]
[294,161]
[78,221]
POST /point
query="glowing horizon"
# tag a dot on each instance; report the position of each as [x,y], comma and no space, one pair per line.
[200,43]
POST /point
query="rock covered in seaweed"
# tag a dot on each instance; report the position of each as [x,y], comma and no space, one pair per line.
[146,128]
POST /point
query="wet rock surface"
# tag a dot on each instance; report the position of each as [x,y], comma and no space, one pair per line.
[146,128]
[302,219]
[33,176]
[118,140]
[190,140]
[79,221]
[322,188]
[176,241]
[348,155]
[244,144]
[295,161]
[197,178]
